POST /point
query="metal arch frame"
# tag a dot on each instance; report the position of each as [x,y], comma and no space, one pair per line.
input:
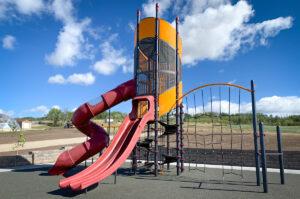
[254,118]
[212,84]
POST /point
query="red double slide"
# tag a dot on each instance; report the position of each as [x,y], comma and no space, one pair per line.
[119,149]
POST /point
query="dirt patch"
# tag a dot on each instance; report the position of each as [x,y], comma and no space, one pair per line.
[37,135]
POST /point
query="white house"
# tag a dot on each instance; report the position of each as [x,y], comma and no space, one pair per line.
[26,124]
[109,120]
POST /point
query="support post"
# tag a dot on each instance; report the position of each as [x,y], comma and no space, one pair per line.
[116,174]
[134,157]
[181,139]
[254,123]
[168,141]
[137,53]
[148,136]
[263,157]
[280,152]
[177,104]
[156,79]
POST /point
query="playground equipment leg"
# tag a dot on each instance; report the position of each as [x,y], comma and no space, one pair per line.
[181,139]
[156,92]
[115,179]
[254,123]
[280,156]
[178,154]
[168,141]
[263,157]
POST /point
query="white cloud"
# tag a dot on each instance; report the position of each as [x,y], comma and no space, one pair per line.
[42,109]
[82,79]
[8,42]
[149,7]
[63,10]
[278,105]
[274,105]
[217,30]
[56,107]
[29,6]
[9,113]
[76,78]
[3,10]
[131,26]
[9,8]
[57,79]
[39,109]
[112,59]
[69,45]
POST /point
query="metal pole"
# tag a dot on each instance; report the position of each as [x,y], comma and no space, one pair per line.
[138,14]
[134,152]
[177,104]
[156,91]
[280,157]
[168,140]
[254,123]
[148,136]
[115,179]
[181,139]
[263,157]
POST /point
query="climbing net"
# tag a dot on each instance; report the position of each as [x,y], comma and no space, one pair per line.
[217,128]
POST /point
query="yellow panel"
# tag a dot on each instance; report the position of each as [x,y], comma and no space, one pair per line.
[142,108]
[167,32]
[167,100]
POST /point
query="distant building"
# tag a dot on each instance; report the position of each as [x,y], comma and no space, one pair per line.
[109,120]
[8,124]
[4,127]
[25,124]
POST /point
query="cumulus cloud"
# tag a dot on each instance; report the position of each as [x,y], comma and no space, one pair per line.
[8,8]
[57,79]
[217,30]
[76,78]
[9,113]
[63,10]
[29,6]
[56,107]
[131,26]
[42,109]
[71,44]
[278,105]
[39,109]
[112,59]
[8,42]
[81,79]
[274,105]
[149,7]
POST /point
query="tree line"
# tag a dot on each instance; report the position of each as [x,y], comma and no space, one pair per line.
[293,120]
[60,118]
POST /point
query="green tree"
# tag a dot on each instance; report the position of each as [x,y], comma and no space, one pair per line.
[56,116]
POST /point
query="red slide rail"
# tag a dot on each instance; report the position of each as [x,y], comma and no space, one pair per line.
[118,151]
[98,137]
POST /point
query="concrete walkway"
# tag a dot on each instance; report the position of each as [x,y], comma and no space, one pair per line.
[41,144]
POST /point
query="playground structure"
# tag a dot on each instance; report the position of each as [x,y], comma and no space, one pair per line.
[163,125]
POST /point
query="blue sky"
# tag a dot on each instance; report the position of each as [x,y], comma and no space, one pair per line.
[62,53]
